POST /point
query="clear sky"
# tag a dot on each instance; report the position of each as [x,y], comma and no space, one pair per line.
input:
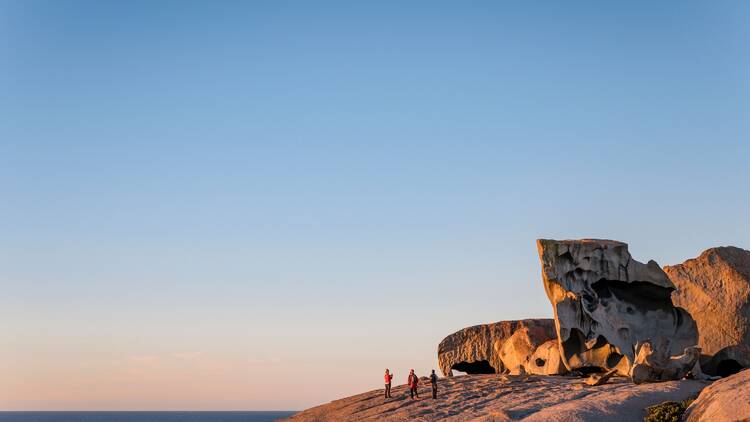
[262,205]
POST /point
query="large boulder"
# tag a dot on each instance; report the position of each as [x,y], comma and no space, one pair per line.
[726,400]
[606,304]
[502,347]
[715,289]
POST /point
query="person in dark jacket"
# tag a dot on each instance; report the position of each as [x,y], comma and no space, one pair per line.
[413,382]
[433,382]
[388,378]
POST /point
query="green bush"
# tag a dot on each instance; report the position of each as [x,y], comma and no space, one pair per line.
[669,411]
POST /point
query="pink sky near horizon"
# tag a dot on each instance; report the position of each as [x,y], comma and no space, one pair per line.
[192,380]
[130,371]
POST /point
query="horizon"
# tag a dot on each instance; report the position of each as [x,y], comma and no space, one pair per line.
[260,206]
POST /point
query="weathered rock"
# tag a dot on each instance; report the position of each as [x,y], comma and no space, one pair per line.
[605,303]
[726,400]
[518,349]
[728,361]
[655,365]
[600,378]
[507,398]
[715,289]
[546,360]
[504,346]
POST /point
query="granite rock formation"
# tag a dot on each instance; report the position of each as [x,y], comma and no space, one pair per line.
[606,303]
[715,289]
[507,398]
[601,378]
[726,400]
[655,365]
[546,360]
[502,347]
[728,361]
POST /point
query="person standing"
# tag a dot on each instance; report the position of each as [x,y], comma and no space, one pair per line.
[388,378]
[413,382]
[433,382]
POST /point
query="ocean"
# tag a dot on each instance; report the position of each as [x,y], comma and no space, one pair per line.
[143,416]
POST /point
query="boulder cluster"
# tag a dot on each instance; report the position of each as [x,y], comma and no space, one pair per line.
[614,315]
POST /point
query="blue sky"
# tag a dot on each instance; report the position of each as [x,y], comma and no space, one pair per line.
[306,191]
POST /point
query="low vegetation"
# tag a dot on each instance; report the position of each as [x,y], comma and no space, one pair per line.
[668,411]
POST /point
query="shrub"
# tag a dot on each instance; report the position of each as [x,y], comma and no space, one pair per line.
[669,411]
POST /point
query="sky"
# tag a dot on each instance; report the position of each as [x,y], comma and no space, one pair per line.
[261,205]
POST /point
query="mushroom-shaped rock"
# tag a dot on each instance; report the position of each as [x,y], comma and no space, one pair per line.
[605,303]
[715,289]
[504,346]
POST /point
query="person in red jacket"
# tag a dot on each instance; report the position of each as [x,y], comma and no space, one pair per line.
[413,382]
[388,378]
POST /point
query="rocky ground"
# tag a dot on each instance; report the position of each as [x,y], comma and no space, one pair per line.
[726,400]
[508,398]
